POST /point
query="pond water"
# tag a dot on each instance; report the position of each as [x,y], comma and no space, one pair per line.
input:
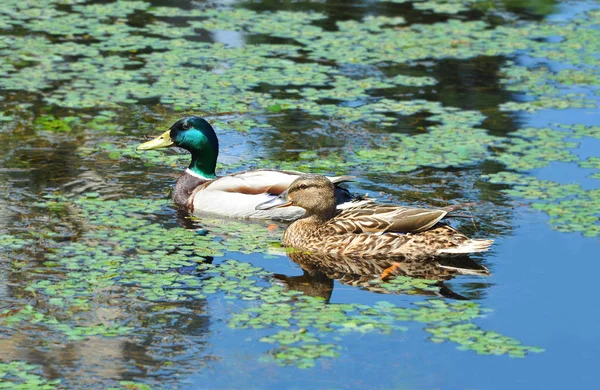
[104,284]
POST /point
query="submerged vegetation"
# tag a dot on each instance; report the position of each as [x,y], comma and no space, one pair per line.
[426,102]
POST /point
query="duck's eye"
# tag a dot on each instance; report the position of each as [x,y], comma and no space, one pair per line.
[186,126]
[303,186]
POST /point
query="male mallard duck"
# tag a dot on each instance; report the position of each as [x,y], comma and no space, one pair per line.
[368,230]
[236,195]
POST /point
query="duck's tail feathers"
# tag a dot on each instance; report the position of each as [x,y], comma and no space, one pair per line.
[459,206]
[469,246]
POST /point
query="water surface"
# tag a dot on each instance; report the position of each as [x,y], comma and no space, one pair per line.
[105,284]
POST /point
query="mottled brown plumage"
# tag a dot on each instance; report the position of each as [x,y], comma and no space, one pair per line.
[370,230]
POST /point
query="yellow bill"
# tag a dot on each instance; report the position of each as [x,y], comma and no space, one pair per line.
[162,141]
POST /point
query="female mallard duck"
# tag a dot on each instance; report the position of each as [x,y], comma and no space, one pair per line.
[368,230]
[236,195]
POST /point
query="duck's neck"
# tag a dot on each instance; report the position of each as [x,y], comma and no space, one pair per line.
[201,170]
[203,164]
[319,219]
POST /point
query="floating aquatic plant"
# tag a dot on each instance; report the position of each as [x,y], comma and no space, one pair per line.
[21,375]
[571,208]
[535,148]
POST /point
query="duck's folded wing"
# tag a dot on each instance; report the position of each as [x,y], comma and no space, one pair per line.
[380,218]
[254,182]
[260,181]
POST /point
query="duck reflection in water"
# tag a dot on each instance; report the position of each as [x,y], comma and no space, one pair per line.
[320,271]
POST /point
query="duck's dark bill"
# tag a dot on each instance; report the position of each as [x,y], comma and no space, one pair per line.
[162,141]
[274,203]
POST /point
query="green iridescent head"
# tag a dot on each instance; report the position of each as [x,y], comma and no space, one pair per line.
[195,135]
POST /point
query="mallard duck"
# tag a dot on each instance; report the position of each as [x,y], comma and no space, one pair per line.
[368,230]
[236,195]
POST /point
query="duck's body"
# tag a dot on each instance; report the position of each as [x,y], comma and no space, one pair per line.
[333,238]
[238,194]
[369,230]
[199,190]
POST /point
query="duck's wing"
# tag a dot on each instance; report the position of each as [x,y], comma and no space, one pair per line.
[373,218]
[261,181]
[255,182]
